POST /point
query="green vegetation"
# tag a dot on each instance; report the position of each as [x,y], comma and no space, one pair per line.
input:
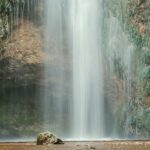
[146,71]
[8,9]
[133,115]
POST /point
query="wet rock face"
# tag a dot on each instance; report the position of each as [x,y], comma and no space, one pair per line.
[47,138]
[21,63]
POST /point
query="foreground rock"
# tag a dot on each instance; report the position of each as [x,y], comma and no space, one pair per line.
[47,138]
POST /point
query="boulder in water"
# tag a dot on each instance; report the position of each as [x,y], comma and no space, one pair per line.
[47,138]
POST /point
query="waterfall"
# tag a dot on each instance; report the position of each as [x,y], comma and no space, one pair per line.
[53,74]
[86,104]
[88,69]
[86,76]
[88,117]
[120,52]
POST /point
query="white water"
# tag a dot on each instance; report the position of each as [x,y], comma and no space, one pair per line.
[53,75]
[88,117]
[78,113]
[85,24]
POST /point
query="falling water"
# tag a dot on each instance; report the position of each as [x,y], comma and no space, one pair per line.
[53,101]
[120,48]
[88,117]
[100,63]
[78,68]
[85,26]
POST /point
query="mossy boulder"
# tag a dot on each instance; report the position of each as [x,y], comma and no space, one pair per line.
[47,138]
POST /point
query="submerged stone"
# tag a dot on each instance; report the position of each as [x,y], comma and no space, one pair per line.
[47,138]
